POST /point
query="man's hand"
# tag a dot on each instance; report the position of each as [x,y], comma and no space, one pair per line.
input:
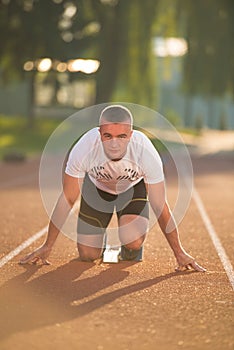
[39,254]
[187,262]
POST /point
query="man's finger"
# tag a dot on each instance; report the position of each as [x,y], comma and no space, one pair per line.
[27,258]
[193,264]
[45,262]
[180,268]
[35,260]
[197,267]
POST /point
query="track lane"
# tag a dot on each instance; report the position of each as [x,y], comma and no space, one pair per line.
[86,305]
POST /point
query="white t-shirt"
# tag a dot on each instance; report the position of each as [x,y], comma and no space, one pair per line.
[141,161]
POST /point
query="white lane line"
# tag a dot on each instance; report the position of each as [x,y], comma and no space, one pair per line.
[22,246]
[214,237]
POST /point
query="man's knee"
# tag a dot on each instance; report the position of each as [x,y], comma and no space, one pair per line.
[88,253]
[135,245]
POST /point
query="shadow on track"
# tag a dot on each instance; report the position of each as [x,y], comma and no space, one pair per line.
[61,295]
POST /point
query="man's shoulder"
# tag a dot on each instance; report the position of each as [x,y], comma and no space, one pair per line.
[139,136]
[142,142]
[92,132]
[87,141]
[89,136]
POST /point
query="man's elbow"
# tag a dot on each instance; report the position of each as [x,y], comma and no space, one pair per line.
[159,208]
[68,200]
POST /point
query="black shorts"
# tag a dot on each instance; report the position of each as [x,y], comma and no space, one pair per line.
[97,206]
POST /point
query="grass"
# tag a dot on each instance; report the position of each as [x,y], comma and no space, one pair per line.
[15,136]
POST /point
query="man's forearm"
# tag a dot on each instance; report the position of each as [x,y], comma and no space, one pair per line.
[174,241]
[157,199]
[169,228]
[57,220]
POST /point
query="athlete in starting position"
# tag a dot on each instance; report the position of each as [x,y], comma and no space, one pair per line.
[113,167]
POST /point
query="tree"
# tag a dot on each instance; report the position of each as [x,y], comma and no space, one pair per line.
[28,31]
[208,66]
[125,51]
[117,32]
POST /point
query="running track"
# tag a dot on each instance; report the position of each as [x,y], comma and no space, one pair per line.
[124,306]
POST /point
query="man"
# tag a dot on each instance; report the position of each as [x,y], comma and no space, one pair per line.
[113,167]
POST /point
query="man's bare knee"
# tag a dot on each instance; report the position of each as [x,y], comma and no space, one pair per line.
[135,245]
[88,254]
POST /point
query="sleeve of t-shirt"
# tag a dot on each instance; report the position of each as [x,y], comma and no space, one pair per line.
[151,162]
[77,161]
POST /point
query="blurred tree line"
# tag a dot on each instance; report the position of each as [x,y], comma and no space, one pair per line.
[119,34]
[208,27]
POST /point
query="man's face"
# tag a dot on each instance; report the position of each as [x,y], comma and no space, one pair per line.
[115,139]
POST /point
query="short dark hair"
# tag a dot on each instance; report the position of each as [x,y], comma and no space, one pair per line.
[116,114]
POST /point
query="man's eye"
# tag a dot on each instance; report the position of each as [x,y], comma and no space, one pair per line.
[122,136]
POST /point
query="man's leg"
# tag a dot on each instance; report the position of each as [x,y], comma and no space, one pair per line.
[95,213]
[132,230]
[90,247]
[133,220]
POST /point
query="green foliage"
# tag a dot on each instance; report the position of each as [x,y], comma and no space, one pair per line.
[198,123]
[125,52]
[173,117]
[209,67]
[167,22]
[118,33]
[27,33]
[138,66]
[223,123]
[15,136]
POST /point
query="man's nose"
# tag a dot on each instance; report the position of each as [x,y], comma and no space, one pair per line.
[114,142]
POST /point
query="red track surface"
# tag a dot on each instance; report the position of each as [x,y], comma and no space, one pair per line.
[147,305]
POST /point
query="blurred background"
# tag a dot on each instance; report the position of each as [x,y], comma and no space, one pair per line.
[59,56]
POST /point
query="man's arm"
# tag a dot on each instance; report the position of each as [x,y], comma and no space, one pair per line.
[69,195]
[157,199]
